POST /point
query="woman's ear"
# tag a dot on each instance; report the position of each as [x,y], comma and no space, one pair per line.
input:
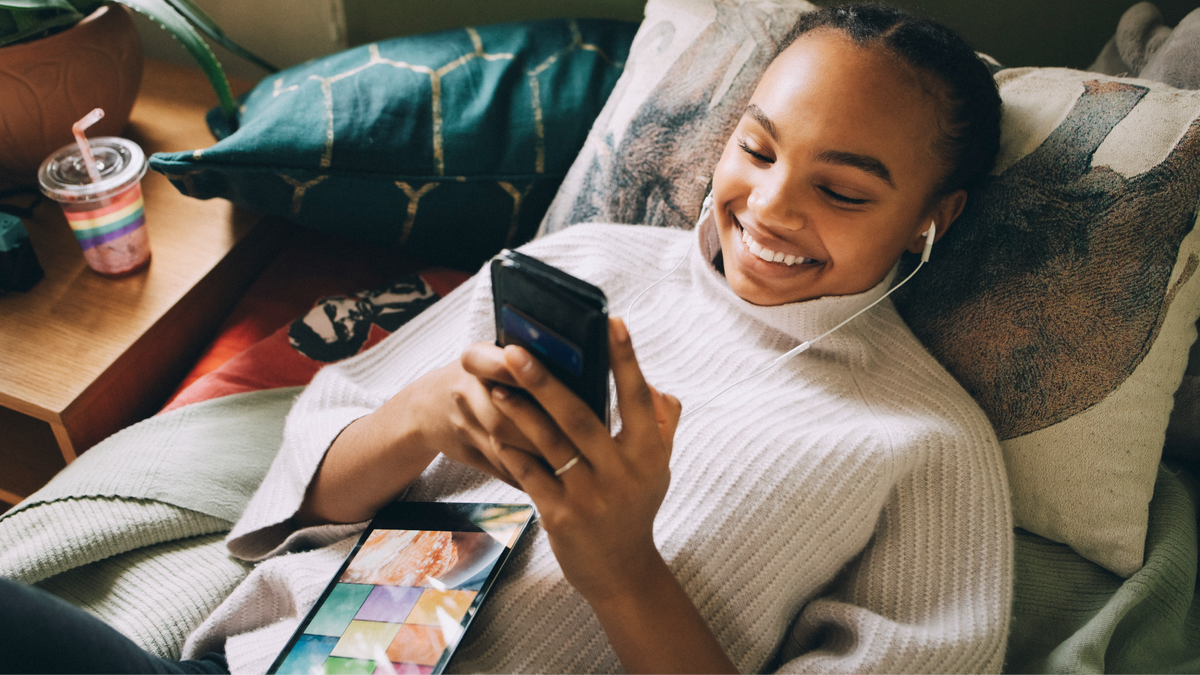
[944,212]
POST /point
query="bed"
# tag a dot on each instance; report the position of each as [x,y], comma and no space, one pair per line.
[1092,205]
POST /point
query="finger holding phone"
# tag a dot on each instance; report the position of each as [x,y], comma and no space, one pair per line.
[599,512]
[447,411]
[558,344]
[597,494]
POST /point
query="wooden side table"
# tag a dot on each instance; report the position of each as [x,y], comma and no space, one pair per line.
[82,356]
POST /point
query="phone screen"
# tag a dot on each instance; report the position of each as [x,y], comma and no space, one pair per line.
[561,319]
[518,325]
[405,596]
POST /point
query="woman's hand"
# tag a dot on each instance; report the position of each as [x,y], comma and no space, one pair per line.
[597,496]
[447,411]
[599,513]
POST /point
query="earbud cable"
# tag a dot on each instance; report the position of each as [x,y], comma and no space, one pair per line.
[802,347]
[929,235]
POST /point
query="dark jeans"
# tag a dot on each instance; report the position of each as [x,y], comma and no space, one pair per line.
[42,633]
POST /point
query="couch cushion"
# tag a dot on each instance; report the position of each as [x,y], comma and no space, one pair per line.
[1064,298]
[449,144]
[650,155]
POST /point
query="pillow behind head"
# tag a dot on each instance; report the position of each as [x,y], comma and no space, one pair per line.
[449,144]
[1062,300]
[1065,300]
[650,155]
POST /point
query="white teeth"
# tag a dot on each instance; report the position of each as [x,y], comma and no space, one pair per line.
[768,255]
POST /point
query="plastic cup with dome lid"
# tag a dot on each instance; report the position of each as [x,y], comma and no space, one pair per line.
[97,182]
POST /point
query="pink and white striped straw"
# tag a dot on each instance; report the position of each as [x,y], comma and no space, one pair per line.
[77,129]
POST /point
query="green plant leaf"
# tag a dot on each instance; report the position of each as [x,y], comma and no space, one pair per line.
[37,4]
[22,24]
[162,13]
[210,28]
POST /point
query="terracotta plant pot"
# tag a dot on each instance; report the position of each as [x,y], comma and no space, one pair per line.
[49,83]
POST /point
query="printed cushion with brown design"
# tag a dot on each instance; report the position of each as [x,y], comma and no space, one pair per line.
[1065,298]
[650,154]
[449,145]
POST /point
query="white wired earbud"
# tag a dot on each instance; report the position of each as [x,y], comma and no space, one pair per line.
[929,235]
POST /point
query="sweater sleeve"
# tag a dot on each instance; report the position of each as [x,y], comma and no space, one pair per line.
[341,393]
[932,591]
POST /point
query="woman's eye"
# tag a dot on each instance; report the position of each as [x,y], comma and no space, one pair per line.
[838,197]
[758,156]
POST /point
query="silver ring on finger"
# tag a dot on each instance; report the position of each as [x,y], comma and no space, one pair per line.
[570,463]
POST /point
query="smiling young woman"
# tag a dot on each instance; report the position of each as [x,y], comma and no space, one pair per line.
[838,165]
[848,512]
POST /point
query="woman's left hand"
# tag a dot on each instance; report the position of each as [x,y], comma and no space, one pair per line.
[599,512]
[598,504]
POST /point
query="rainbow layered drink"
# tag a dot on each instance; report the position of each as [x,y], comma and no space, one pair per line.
[103,205]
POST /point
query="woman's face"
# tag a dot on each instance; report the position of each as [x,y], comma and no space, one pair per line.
[832,168]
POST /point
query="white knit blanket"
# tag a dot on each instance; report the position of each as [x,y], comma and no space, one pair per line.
[133,531]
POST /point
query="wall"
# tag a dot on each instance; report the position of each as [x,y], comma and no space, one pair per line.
[282,32]
[1038,32]
[371,20]
[1017,32]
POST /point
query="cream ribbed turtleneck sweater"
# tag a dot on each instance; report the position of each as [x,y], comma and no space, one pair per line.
[845,511]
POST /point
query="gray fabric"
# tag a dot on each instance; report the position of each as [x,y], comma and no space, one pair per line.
[133,531]
[208,457]
[1143,47]
[58,536]
[1073,616]
[156,595]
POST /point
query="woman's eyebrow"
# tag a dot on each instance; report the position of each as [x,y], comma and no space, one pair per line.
[864,162]
[756,113]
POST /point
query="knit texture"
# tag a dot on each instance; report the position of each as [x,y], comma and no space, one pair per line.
[132,530]
[61,535]
[846,511]
[155,595]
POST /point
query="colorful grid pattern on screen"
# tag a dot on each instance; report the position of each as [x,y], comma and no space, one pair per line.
[406,621]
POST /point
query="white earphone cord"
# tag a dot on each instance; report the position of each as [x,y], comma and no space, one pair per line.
[803,346]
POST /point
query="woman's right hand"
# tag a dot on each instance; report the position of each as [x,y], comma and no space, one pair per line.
[447,411]
[475,424]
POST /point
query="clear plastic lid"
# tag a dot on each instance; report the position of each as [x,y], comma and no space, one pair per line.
[63,177]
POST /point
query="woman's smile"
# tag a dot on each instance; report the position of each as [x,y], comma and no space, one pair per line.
[767,251]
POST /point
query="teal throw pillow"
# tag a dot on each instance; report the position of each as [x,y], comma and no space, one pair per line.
[450,144]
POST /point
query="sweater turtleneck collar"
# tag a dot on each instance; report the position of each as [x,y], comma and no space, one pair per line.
[802,320]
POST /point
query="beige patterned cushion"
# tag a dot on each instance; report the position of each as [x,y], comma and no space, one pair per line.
[1065,299]
[650,154]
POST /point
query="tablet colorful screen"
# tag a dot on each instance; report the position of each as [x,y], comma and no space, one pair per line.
[404,598]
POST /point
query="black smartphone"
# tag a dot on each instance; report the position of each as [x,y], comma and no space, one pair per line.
[560,319]
[408,591]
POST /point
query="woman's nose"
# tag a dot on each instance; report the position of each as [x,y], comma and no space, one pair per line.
[775,205]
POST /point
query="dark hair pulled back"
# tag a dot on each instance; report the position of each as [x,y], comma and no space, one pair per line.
[970,101]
